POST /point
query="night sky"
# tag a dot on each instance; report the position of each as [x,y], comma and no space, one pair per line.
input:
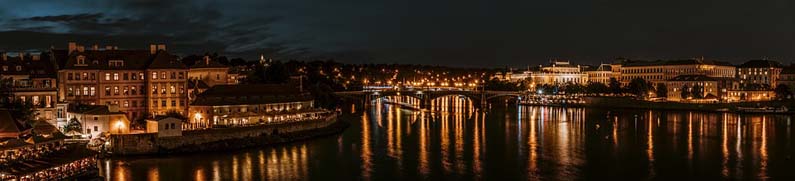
[462,33]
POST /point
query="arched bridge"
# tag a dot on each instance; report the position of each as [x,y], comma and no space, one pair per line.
[425,96]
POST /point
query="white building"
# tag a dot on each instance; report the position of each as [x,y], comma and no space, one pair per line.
[557,73]
[98,119]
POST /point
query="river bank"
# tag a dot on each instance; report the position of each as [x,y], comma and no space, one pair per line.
[626,102]
[224,139]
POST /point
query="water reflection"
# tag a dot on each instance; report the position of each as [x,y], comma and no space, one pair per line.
[453,141]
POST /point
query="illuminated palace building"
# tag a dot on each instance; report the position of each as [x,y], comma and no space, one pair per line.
[249,104]
[660,71]
[138,81]
[558,72]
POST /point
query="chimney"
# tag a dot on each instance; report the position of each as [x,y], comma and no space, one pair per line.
[161,47]
[152,49]
[21,56]
[72,47]
[95,47]
[206,60]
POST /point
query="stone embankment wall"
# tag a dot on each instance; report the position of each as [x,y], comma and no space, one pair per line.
[625,102]
[223,138]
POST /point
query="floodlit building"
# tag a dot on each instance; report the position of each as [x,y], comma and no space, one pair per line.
[659,71]
[557,73]
[238,105]
[211,72]
[601,74]
[99,119]
[787,77]
[164,126]
[759,74]
[138,81]
[712,88]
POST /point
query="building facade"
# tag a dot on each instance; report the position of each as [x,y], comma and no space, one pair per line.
[99,119]
[759,74]
[211,72]
[787,77]
[30,79]
[237,105]
[601,74]
[558,73]
[660,71]
[122,77]
[711,88]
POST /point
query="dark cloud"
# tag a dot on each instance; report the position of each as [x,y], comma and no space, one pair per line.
[444,32]
[66,18]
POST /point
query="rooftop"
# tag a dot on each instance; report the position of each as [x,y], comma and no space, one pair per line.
[698,78]
[10,127]
[638,63]
[250,94]
[760,64]
[91,109]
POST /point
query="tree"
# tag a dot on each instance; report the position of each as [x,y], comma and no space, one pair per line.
[276,73]
[573,88]
[685,92]
[661,90]
[140,122]
[22,111]
[596,88]
[176,114]
[783,92]
[698,91]
[73,125]
[615,86]
[639,87]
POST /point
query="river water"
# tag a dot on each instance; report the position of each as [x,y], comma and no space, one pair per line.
[456,142]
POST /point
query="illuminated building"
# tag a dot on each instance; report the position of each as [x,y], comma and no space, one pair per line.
[559,72]
[138,81]
[211,72]
[601,74]
[787,77]
[31,78]
[249,104]
[98,119]
[516,77]
[660,70]
[759,74]
[712,88]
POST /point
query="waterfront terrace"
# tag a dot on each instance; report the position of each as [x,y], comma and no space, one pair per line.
[237,105]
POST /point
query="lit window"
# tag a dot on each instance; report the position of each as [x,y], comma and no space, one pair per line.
[115,76]
[154,75]
[107,76]
[115,90]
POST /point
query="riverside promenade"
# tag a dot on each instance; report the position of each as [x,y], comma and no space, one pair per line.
[220,139]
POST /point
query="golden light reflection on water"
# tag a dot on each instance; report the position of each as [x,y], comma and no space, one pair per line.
[541,142]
